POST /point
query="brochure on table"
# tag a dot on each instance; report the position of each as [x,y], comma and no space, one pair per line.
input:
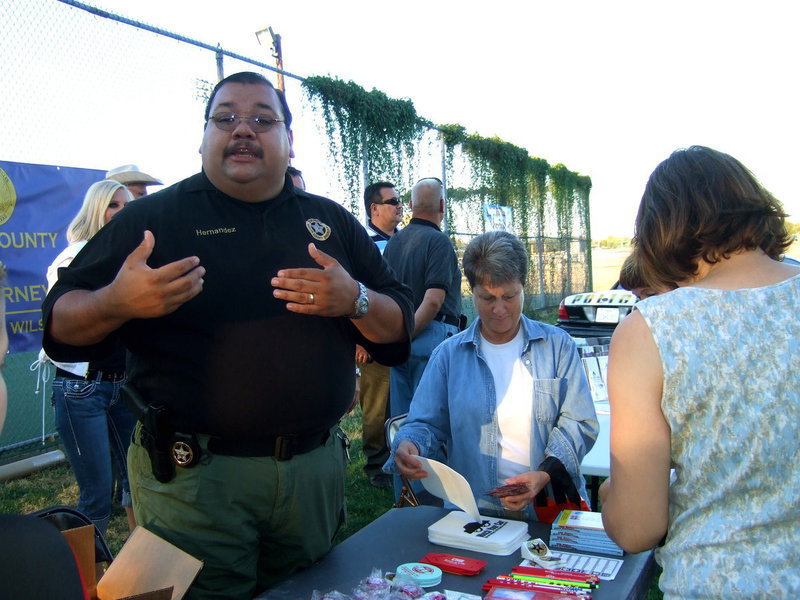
[447,484]
[468,529]
[603,566]
[595,362]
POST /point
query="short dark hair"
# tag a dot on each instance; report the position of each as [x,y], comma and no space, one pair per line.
[251,78]
[702,204]
[631,278]
[373,193]
[496,257]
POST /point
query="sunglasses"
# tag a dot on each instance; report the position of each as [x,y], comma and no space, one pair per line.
[391,201]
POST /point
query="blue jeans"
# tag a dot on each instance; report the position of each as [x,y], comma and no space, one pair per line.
[406,377]
[95,428]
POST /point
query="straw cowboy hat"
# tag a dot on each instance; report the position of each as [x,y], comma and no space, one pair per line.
[131,174]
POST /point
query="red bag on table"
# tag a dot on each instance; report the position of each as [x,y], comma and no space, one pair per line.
[560,494]
[548,512]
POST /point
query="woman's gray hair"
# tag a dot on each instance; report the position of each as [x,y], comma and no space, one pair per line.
[495,257]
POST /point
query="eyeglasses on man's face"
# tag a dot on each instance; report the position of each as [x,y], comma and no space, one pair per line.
[227,121]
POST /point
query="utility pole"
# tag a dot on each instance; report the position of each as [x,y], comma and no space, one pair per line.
[275,48]
[220,65]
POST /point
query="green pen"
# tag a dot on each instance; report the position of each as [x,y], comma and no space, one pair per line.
[579,584]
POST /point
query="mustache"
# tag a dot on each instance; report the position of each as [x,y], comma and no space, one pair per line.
[235,147]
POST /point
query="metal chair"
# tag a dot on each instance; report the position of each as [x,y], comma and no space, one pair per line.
[64,517]
[407,496]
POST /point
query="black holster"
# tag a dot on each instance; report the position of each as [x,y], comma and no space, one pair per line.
[157,432]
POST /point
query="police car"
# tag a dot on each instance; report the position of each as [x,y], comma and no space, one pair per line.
[594,314]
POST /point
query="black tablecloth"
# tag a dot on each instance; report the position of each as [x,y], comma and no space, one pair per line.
[401,536]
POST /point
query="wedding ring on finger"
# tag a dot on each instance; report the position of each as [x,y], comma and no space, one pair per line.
[311,298]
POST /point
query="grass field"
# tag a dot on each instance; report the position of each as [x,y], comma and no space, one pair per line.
[605,267]
[606,264]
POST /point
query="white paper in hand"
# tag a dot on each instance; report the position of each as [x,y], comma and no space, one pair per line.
[445,483]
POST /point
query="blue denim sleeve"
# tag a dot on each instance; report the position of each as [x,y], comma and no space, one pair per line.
[576,426]
[428,422]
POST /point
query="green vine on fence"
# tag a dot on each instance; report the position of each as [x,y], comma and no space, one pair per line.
[538,170]
[365,127]
[583,186]
[505,174]
[500,165]
[562,188]
[371,136]
[452,135]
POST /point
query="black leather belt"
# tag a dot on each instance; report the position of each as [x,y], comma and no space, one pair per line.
[447,319]
[282,447]
[93,375]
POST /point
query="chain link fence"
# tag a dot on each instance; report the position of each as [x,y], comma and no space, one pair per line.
[83,88]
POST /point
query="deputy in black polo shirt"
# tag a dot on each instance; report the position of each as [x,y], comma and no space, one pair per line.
[424,259]
[240,299]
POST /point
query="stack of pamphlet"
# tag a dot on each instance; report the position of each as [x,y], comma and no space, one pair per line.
[595,363]
[490,534]
[468,529]
[582,531]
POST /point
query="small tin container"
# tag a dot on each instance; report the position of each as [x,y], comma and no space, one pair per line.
[420,573]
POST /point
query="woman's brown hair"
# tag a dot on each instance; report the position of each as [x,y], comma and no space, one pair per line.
[702,204]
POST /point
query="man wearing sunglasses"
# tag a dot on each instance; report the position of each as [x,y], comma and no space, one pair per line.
[384,211]
[240,299]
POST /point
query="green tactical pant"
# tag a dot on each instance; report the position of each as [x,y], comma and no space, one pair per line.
[374,400]
[252,521]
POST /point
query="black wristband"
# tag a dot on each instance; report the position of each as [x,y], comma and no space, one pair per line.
[560,481]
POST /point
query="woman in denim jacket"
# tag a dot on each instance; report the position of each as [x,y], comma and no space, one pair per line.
[507,398]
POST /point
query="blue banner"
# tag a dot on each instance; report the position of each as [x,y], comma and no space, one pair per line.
[37,203]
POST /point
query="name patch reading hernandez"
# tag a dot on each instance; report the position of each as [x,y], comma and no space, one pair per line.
[219,231]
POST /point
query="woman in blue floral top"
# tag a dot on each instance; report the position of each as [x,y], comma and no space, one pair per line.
[705,379]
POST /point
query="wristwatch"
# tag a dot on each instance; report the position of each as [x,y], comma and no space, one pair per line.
[361,305]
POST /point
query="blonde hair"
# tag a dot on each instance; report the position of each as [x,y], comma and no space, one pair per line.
[92,215]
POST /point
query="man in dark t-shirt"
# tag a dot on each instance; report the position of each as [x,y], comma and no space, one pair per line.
[240,300]
[424,259]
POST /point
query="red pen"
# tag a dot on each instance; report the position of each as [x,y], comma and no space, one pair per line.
[540,594]
[537,594]
[507,581]
[567,583]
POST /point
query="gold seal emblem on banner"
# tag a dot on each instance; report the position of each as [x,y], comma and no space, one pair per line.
[8,197]
[318,230]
